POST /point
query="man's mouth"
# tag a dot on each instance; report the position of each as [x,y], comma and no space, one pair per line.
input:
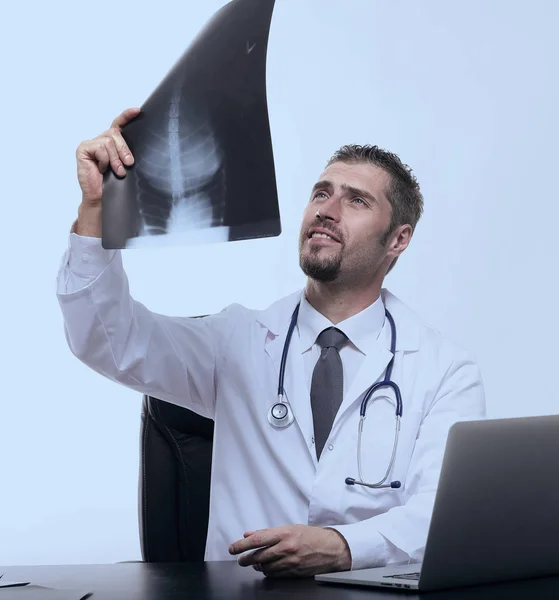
[320,233]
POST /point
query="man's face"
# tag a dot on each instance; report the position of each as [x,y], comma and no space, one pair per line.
[356,214]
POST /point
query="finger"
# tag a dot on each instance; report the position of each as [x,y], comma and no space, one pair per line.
[125,117]
[122,147]
[116,163]
[101,155]
[262,556]
[247,533]
[259,539]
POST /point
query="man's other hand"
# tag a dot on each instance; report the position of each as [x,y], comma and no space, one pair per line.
[293,551]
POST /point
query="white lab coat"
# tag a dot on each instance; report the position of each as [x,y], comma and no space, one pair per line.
[226,367]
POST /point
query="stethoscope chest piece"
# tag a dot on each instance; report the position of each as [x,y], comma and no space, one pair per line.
[280,415]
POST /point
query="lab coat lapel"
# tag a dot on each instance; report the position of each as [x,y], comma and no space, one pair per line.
[371,370]
[295,385]
[375,363]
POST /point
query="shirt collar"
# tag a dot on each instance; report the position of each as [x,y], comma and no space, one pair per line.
[362,329]
[409,325]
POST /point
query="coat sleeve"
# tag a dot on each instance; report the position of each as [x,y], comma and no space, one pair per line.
[170,358]
[399,535]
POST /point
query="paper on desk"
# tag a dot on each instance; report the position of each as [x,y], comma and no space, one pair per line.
[38,592]
[4,583]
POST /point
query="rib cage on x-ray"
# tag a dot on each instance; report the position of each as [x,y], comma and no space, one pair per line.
[180,179]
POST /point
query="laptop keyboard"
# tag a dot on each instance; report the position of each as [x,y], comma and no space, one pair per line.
[411,576]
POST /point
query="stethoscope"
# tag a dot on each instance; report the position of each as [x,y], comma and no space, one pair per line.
[280,414]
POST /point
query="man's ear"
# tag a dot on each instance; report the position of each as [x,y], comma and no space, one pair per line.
[400,240]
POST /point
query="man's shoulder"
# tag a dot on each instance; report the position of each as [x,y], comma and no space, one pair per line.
[272,317]
[419,333]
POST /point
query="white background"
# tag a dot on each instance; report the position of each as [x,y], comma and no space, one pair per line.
[465,92]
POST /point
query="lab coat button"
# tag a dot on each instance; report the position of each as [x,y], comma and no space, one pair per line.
[330,447]
[85,257]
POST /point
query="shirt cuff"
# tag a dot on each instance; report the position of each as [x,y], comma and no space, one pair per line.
[368,547]
[86,256]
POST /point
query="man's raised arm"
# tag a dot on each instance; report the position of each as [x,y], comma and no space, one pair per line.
[170,358]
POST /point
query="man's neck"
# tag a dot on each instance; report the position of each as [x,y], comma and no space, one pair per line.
[337,303]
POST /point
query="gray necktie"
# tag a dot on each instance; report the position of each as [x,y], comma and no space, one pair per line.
[327,387]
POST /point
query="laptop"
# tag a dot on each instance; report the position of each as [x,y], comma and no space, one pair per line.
[496,511]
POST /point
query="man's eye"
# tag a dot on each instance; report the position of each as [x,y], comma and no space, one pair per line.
[358,200]
[319,194]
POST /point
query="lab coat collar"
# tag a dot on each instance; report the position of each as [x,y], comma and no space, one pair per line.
[277,317]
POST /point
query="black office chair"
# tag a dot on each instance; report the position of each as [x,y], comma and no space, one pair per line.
[174,482]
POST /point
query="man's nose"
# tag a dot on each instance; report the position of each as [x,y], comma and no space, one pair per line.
[331,209]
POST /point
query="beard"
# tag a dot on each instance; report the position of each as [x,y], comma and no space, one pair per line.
[322,269]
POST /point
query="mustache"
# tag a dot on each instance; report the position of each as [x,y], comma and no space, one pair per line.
[324,224]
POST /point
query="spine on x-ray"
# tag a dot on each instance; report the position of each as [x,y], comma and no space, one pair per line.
[180,178]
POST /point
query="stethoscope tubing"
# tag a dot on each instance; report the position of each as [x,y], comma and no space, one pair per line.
[285,418]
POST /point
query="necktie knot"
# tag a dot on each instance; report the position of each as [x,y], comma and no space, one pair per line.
[332,338]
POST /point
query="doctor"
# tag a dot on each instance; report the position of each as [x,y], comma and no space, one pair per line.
[282,498]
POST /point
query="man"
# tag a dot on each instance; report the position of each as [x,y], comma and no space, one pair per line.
[279,497]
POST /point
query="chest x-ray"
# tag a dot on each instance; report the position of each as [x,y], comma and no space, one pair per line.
[204,169]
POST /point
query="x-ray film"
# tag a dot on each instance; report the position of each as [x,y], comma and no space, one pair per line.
[204,168]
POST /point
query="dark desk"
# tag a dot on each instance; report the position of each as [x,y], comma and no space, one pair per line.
[228,581]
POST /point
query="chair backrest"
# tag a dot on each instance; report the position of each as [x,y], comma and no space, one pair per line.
[174,482]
